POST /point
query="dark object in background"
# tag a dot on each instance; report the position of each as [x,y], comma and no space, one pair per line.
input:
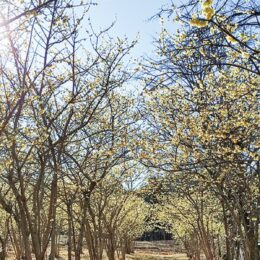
[155,235]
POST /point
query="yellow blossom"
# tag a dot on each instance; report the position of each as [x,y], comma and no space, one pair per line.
[245,55]
[198,23]
[207,3]
[208,12]
[202,51]
[231,39]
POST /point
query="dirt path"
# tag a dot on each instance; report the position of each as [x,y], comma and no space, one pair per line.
[145,256]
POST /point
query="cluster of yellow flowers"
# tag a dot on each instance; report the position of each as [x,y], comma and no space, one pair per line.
[198,23]
[207,9]
[231,39]
[245,55]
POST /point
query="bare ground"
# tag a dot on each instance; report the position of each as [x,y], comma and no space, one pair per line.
[165,250]
[147,256]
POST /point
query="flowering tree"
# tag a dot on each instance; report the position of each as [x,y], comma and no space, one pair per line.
[64,122]
[201,112]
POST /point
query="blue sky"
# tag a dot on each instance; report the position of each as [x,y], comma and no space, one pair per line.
[131,18]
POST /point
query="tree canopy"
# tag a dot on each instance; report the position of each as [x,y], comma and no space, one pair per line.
[85,157]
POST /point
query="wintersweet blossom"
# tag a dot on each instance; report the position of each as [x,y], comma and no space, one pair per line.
[198,23]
